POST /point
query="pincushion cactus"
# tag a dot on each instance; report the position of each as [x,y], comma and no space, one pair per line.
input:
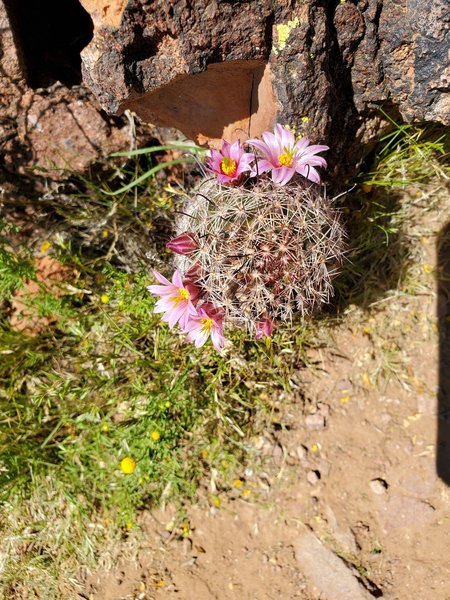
[255,252]
[265,252]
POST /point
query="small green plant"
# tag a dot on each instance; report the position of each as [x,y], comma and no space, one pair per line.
[407,154]
[102,384]
[15,266]
[379,252]
[190,150]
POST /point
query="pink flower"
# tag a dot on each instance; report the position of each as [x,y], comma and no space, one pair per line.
[264,327]
[175,299]
[207,322]
[230,162]
[183,244]
[285,156]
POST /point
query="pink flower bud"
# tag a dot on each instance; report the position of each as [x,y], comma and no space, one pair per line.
[194,273]
[194,290]
[264,327]
[182,244]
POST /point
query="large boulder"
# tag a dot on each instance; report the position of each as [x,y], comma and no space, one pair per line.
[218,69]
[49,123]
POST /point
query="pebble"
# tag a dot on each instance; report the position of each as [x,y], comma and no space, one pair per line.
[302,452]
[187,546]
[344,386]
[277,453]
[324,468]
[323,409]
[313,477]
[316,421]
[379,486]
[267,448]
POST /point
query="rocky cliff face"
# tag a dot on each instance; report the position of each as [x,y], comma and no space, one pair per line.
[49,122]
[217,68]
[228,68]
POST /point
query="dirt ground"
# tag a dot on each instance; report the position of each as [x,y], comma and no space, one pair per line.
[350,498]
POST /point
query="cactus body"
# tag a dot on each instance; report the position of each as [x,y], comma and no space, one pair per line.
[265,251]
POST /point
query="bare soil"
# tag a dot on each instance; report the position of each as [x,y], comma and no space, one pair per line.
[360,462]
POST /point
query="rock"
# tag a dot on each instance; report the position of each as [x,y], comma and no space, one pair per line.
[316,421]
[343,535]
[422,480]
[46,124]
[61,131]
[378,486]
[398,511]
[187,546]
[215,69]
[344,387]
[313,477]
[183,65]
[327,575]
[324,467]
[323,409]
[277,454]
[224,69]
[302,452]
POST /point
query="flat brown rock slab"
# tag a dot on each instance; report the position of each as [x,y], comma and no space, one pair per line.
[328,575]
[400,511]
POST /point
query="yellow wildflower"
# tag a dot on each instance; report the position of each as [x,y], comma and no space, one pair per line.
[128,465]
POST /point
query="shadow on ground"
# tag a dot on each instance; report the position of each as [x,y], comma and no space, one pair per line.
[377,250]
[443,436]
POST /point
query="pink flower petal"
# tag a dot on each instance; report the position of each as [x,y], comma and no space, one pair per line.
[160,290]
[161,278]
[262,165]
[310,173]
[301,145]
[173,316]
[282,175]
[217,339]
[177,280]
[315,148]
[285,136]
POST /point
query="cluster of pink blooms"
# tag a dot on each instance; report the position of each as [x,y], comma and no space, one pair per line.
[282,154]
[178,300]
[181,300]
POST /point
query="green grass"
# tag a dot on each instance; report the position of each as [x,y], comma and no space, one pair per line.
[96,383]
[90,391]
[379,250]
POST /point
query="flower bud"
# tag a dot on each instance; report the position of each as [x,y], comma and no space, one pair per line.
[182,244]
[194,273]
[264,327]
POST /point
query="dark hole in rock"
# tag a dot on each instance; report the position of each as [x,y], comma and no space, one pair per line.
[50,35]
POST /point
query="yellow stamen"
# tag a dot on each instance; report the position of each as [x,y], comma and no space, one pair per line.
[286,159]
[206,324]
[183,294]
[228,166]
